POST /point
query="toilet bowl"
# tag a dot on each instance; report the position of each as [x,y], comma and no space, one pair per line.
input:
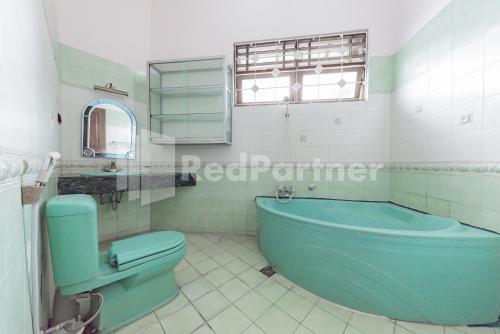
[135,276]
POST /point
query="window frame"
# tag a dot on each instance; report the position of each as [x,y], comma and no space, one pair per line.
[361,92]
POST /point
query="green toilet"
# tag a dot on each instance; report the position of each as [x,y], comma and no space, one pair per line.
[135,276]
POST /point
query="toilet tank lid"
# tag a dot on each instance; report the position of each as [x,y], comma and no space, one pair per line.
[70,205]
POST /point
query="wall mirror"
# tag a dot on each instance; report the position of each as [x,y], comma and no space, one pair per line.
[108,130]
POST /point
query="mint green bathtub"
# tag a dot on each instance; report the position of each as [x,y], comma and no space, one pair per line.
[383,259]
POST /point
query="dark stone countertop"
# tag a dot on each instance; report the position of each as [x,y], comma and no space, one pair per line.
[103,184]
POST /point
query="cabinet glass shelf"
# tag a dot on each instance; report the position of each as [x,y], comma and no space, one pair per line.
[183,117]
[190,90]
[190,99]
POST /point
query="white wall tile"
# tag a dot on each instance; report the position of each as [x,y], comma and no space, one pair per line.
[468,59]
[492,47]
[491,148]
[491,117]
[467,146]
[491,82]
[468,89]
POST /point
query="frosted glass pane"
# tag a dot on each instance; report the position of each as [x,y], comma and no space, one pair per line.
[330,92]
[348,91]
[270,89]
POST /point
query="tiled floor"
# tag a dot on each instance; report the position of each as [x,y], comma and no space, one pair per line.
[223,292]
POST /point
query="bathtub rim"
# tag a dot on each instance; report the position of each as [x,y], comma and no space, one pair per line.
[455,230]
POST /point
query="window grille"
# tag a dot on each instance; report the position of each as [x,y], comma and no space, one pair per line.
[301,70]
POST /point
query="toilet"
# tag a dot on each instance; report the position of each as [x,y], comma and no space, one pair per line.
[135,276]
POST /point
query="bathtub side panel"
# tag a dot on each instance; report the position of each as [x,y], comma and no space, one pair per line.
[441,281]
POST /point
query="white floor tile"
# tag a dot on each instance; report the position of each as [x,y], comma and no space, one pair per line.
[253,305]
[294,305]
[237,266]
[277,322]
[184,321]
[322,322]
[271,290]
[197,288]
[234,289]
[252,277]
[211,304]
[178,303]
[139,325]
[219,276]
[371,324]
[230,321]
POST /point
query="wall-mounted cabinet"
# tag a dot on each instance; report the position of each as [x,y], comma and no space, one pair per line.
[190,101]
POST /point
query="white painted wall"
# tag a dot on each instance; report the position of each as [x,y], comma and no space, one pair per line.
[199,28]
[118,30]
[131,31]
[29,87]
[29,81]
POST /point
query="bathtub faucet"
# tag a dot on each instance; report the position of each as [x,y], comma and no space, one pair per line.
[285,190]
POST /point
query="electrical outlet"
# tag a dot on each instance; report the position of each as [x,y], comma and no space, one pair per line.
[303,138]
[338,121]
[466,118]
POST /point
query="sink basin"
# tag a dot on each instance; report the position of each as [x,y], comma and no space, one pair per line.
[103,173]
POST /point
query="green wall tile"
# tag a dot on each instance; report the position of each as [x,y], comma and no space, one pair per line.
[466,189]
[490,190]
[438,207]
[490,220]
[440,35]
[468,22]
[417,202]
[468,214]
[439,186]
[380,74]
[83,69]
[492,13]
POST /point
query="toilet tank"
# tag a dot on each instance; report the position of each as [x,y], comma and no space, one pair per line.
[72,226]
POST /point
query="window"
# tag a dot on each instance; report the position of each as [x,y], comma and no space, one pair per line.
[306,69]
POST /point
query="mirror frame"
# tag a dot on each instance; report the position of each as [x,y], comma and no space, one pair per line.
[87,112]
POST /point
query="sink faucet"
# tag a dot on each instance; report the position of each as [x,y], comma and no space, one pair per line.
[112,168]
[285,190]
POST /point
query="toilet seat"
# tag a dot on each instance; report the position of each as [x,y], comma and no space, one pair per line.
[128,253]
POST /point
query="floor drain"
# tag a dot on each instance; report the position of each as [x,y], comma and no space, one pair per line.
[268,271]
